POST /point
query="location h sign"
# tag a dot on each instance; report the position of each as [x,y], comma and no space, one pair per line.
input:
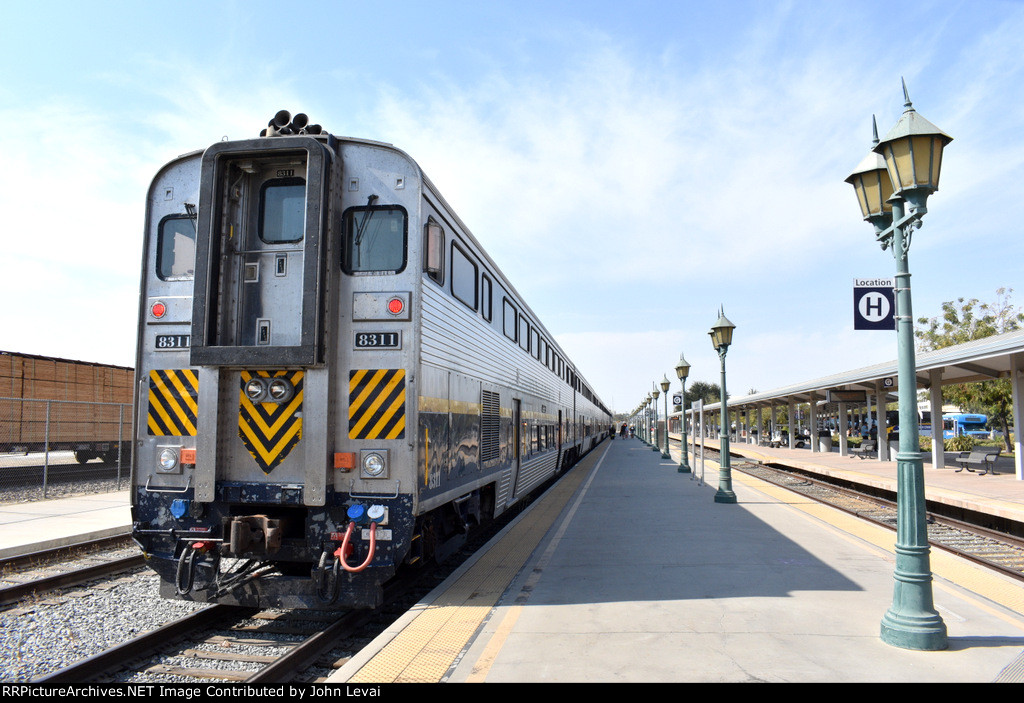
[874,304]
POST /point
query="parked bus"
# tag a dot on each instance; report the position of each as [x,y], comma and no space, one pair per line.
[956,424]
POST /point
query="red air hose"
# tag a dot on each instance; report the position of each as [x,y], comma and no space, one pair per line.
[343,549]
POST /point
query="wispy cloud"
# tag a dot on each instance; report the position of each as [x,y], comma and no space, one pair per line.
[629,171]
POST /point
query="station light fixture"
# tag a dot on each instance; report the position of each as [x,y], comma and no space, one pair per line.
[721,333]
[664,387]
[721,338]
[682,371]
[893,196]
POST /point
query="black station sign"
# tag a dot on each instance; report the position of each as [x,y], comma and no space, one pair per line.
[874,304]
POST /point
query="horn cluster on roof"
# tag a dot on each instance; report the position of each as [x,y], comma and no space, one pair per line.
[283,124]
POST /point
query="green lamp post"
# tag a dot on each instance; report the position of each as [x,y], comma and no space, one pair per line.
[721,338]
[893,184]
[664,389]
[682,371]
[654,414]
[647,419]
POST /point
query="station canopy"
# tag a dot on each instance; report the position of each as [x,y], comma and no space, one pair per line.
[978,360]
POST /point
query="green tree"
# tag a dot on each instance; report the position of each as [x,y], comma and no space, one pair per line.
[963,321]
[702,390]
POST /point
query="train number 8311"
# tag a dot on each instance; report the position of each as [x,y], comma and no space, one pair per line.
[378,340]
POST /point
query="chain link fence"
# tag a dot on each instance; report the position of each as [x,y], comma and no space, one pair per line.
[55,448]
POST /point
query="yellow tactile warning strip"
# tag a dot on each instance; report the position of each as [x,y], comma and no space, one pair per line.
[426,648]
[959,571]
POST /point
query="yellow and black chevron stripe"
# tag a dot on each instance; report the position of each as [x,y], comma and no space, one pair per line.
[376,404]
[270,430]
[172,402]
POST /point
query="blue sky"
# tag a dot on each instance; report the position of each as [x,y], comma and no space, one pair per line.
[631,166]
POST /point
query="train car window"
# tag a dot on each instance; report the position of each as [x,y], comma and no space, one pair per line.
[535,343]
[433,251]
[464,277]
[375,239]
[524,333]
[485,297]
[283,210]
[510,318]
[176,248]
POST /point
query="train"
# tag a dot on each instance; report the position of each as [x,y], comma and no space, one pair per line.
[53,404]
[334,379]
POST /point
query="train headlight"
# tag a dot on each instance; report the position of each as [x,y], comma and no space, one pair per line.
[374,465]
[281,390]
[168,459]
[256,390]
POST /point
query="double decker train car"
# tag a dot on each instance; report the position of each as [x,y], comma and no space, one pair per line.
[333,377]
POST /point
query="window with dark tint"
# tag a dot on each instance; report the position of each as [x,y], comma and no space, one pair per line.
[375,239]
[510,320]
[524,333]
[176,248]
[433,250]
[283,210]
[464,275]
[485,297]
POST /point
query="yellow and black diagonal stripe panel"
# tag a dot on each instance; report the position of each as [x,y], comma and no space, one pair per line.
[172,402]
[270,430]
[376,404]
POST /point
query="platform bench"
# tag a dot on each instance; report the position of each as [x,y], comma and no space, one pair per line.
[865,449]
[979,457]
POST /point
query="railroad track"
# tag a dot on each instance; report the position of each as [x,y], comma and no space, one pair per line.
[33,574]
[996,550]
[223,643]
[19,476]
[233,644]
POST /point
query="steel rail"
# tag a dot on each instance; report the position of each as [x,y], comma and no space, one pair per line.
[140,646]
[22,560]
[13,594]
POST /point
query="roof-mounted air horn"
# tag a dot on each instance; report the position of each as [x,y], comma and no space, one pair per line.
[283,124]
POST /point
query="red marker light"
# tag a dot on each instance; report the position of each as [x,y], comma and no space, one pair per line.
[159,309]
[395,306]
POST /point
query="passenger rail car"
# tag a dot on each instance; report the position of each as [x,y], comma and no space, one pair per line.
[333,377]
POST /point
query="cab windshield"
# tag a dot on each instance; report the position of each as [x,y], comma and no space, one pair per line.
[375,240]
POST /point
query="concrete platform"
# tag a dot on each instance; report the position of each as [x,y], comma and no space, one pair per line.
[44,524]
[630,572]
